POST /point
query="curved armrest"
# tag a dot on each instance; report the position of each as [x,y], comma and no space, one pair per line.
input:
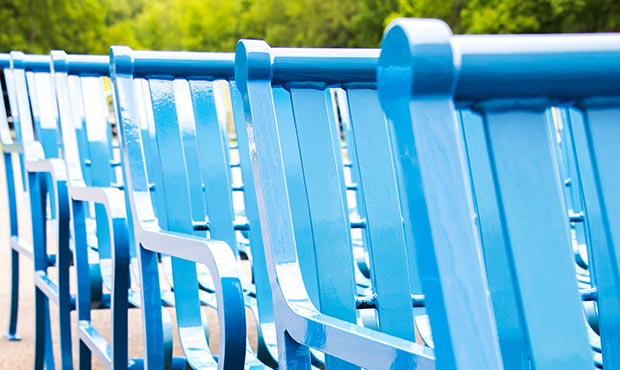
[306,325]
[215,254]
[381,351]
[112,200]
[53,166]
[221,262]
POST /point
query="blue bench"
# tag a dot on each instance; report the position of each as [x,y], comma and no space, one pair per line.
[176,91]
[34,113]
[200,131]
[10,146]
[467,178]
[488,118]
[35,90]
[24,140]
[87,157]
[102,261]
[66,181]
[298,170]
[79,83]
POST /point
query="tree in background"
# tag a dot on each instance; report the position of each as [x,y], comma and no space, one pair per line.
[300,23]
[38,26]
[91,26]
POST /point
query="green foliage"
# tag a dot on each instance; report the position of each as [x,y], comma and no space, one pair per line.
[509,16]
[300,23]
[368,23]
[449,11]
[90,26]
[518,16]
[36,26]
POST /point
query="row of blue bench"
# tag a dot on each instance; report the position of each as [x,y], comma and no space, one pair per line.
[467,178]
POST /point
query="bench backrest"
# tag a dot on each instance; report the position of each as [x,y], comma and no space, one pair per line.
[86,133]
[298,166]
[183,142]
[36,103]
[6,140]
[174,135]
[592,129]
[485,120]
[19,101]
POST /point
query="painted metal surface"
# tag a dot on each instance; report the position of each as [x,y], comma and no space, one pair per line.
[461,195]
[263,310]
[179,131]
[293,139]
[433,169]
[495,96]
[30,76]
[9,146]
[592,127]
[78,84]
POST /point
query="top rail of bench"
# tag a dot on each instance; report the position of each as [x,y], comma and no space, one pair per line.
[5,60]
[177,64]
[77,64]
[485,67]
[30,62]
[327,66]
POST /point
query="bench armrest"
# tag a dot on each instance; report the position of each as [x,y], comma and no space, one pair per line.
[53,166]
[117,278]
[112,198]
[221,262]
[217,255]
[382,351]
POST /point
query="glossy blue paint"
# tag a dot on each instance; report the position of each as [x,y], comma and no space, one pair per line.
[387,246]
[163,81]
[46,183]
[328,66]
[9,146]
[106,263]
[263,310]
[297,197]
[494,237]
[592,129]
[45,289]
[352,176]
[432,168]
[503,87]
[298,170]
[587,63]
[461,197]
[19,102]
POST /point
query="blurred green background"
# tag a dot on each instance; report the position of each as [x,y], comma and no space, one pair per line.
[91,26]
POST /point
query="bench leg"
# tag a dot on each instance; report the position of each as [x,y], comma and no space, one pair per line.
[43,352]
[11,334]
[82,269]
[85,357]
[43,355]
[64,265]
[39,194]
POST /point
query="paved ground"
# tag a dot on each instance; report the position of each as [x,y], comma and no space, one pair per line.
[19,355]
